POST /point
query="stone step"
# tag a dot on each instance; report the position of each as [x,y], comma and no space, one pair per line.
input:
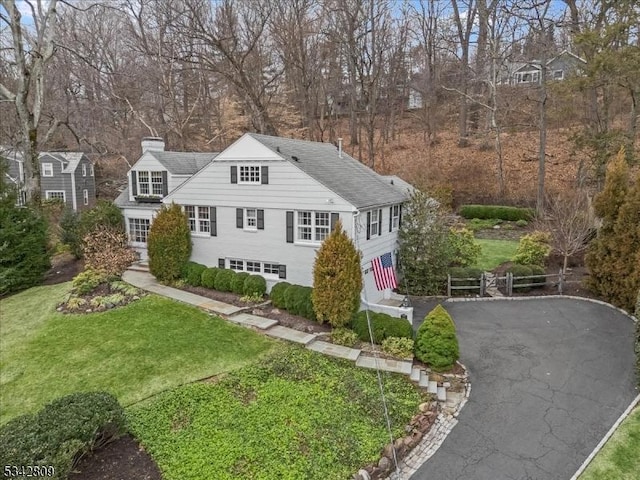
[415,374]
[333,350]
[432,387]
[253,321]
[137,267]
[442,394]
[290,334]
[388,365]
[424,379]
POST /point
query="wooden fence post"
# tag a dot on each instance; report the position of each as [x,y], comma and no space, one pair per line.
[509,284]
[483,284]
[560,281]
[448,285]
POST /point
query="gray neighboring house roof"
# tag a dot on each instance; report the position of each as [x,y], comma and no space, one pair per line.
[347,177]
[183,163]
[69,159]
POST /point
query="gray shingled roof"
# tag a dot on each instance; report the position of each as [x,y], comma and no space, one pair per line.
[183,163]
[347,177]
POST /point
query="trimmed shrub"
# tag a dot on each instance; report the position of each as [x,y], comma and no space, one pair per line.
[337,279]
[208,277]
[277,294]
[511,214]
[237,282]
[538,270]
[469,272]
[382,326]
[24,258]
[521,271]
[298,301]
[465,249]
[533,249]
[255,286]
[86,281]
[63,431]
[169,243]
[106,248]
[70,231]
[398,347]
[344,336]
[522,223]
[104,213]
[436,342]
[223,280]
[192,273]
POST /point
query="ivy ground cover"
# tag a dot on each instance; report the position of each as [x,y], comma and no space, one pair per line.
[295,415]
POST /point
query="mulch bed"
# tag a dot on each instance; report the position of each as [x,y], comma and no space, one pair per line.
[122,459]
[63,268]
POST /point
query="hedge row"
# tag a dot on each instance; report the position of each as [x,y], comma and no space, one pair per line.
[512,214]
[527,271]
[224,280]
[61,432]
[296,299]
[383,326]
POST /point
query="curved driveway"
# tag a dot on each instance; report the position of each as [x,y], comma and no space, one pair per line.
[548,380]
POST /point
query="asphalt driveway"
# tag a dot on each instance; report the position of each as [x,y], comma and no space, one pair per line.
[549,378]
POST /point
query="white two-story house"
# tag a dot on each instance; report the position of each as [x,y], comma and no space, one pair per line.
[265,204]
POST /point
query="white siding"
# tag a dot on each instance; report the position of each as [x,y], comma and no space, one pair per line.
[247,148]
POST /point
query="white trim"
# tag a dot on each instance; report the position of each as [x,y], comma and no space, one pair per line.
[74,201]
[249,166]
[85,196]
[313,226]
[92,170]
[45,167]
[84,169]
[245,225]
[47,195]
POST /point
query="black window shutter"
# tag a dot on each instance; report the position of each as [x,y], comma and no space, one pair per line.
[264,174]
[165,184]
[399,216]
[390,218]
[368,225]
[214,221]
[334,220]
[134,183]
[221,263]
[282,271]
[234,174]
[289,227]
[260,219]
[239,218]
[380,222]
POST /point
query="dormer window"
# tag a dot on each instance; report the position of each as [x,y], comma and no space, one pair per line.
[47,169]
[249,174]
[150,183]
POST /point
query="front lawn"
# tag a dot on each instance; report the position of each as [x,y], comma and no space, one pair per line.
[620,457]
[494,253]
[133,351]
[296,415]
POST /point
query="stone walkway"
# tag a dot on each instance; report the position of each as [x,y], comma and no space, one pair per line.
[141,278]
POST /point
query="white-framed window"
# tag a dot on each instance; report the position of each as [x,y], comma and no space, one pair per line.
[139,229]
[254,267]
[55,195]
[84,169]
[251,219]
[235,264]
[249,174]
[150,183]
[47,169]
[375,222]
[395,217]
[558,74]
[312,226]
[271,268]
[91,170]
[199,219]
[85,196]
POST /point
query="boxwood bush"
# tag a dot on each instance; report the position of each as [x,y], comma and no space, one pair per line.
[382,325]
[208,277]
[224,280]
[255,285]
[512,214]
[277,294]
[298,301]
[533,249]
[192,273]
[237,282]
[436,341]
[62,431]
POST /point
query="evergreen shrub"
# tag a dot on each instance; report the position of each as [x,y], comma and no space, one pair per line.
[208,277]
[255,285]
[436,341]
[237,282]
[169,243]
[533,249]
[511,214]
[382,326]
[277,294]
[192,273]
[224,279]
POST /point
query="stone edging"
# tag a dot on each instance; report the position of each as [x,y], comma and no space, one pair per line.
[635,402]
[541,297]
[434,438]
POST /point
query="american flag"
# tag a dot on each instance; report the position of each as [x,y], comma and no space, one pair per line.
[383,272]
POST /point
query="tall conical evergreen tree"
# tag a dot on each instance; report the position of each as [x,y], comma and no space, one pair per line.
[169,243]
[337,279]
[601,256]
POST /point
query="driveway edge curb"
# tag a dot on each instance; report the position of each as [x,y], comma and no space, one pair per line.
[606,438]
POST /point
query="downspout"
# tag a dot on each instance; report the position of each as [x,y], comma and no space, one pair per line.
[73,190]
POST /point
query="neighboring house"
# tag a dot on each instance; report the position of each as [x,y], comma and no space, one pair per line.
[558,68]
[65,176]
[265,204]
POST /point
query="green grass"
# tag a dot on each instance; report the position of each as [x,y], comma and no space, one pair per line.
[495,252]
[133,351]
[297,414]
[620,457]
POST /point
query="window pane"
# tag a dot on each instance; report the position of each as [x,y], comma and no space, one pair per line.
[251,218]
[253,266]
[236,264]
[271,268]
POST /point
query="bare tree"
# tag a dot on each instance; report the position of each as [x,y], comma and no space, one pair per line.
[568,220]
[32,47]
